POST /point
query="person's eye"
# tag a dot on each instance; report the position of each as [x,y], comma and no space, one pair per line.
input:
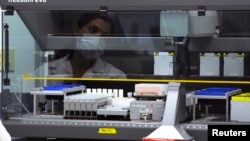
[94,29]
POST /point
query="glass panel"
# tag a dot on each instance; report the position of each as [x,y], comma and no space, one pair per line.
[108,51]
[235,28]
[72,47]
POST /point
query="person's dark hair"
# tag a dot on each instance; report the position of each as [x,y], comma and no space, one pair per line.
[87,17]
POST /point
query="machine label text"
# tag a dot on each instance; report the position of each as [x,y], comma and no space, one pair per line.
[27,1]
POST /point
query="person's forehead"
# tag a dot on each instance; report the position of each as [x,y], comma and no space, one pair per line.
[103,25]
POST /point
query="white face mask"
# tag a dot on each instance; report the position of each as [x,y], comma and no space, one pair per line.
[90,47]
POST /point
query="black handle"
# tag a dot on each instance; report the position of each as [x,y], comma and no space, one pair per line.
[6,79]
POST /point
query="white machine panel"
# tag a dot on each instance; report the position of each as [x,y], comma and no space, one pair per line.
[163,63]
[233,65]
[209,64]
[188,23]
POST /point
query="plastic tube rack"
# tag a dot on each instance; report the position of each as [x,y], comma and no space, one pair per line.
[83,105]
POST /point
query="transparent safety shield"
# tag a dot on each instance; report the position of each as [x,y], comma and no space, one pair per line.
[72,47]
[112,50]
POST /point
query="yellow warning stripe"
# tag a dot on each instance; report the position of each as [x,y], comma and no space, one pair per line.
[141,80]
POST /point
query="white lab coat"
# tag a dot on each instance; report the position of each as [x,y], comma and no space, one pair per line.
[4,134]
[100,69]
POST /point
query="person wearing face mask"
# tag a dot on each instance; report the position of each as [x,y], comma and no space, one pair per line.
[84,59]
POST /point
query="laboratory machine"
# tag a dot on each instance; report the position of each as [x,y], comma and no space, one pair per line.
[124,70]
